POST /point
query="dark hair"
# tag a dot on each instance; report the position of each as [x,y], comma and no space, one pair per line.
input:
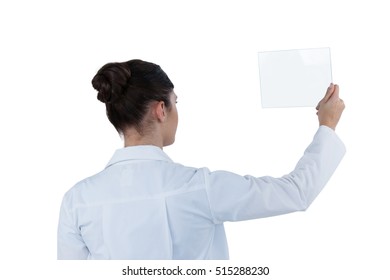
[128,88]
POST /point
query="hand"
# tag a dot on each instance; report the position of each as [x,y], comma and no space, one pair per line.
[330,107]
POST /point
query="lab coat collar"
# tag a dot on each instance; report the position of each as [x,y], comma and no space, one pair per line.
[142,152]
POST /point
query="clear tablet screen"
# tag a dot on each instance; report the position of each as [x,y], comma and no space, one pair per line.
[294,78]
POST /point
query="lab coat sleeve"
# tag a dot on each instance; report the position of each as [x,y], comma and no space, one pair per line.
[235,198]
[70,245]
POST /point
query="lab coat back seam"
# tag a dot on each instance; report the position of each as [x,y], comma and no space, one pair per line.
[76,206]
[169,229]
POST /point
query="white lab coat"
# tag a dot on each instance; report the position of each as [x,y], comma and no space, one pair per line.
[145,206]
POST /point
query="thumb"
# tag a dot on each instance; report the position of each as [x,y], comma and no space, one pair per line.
[335,94]
[329,92]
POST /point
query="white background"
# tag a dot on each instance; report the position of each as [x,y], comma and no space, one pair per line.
[55,132]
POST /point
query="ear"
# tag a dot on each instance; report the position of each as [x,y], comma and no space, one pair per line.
[159,110]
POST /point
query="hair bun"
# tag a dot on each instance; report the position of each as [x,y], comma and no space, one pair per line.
[111,81]
[103,87]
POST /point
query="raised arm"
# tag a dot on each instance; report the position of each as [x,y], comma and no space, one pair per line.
[233,197]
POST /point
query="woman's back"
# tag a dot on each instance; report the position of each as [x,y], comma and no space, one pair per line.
[144,206]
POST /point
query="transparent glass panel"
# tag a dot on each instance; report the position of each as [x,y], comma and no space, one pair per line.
[294,78]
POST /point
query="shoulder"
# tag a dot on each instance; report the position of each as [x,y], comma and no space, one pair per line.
[79,192]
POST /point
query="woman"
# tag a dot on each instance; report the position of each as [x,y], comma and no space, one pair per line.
[145,206]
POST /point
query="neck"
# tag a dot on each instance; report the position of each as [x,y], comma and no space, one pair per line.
[133,138]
